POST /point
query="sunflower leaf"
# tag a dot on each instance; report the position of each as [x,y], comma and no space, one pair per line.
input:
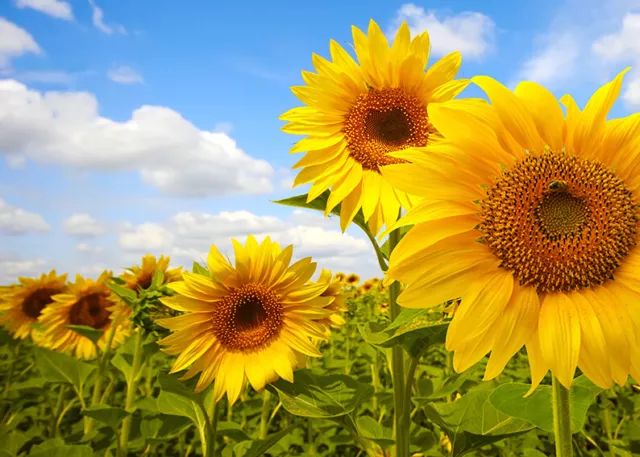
[370,429]
[257,448]
[537,408]
[57,367]
[126,294]
[321,396]
[108,415]
[413,329]
[200,269]
[87,331]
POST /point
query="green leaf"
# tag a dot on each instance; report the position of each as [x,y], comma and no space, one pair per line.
[201,270]
[108,415]
[13,442]
[158,278]
[233,431]
[257,448]
[318,396]
[162,426]
[435,388]
[124,366]
[57,367]
[58,448]
[127,295]
[413,329]
[369,429]
[93,334]
[537,408]
[472,421]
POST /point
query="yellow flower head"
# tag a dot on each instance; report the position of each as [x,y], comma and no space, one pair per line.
[358,114]
[341,277]
[337,305]
[352,279]
[250,322]
[22,304]
[532,220]
[137,278]
[86,302]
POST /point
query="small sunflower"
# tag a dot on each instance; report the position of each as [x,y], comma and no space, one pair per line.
[341,277]
[384,307]
[367,286]
[252,322]
[352,279]
[22,304]
[359,113]
[337,305]
[532,220]
[86,302]
[139,278]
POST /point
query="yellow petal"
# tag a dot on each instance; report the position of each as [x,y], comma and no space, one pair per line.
[545,111]
[350,206]
[537,364]
[469,353]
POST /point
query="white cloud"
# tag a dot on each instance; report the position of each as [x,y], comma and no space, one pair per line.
[125,75]
[98,21]
[187,237]
[12,266]
[17,221]
[82,224]
[50,76]
[55,8]
[89,248]
[471,33]
[555,61]
[169,152]
[15,41]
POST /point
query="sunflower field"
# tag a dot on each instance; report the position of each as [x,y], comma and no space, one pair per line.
[505,320]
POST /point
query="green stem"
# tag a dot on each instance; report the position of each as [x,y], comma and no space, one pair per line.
[57,411]
[7,385]
[311,446]
[406,420]
[347,349]
[561,419]
[132,391]
[381,260]
[375,381]
[264,415]
[397,367]
[89,423]
[213,425]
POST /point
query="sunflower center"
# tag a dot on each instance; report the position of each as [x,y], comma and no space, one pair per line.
[91,310]
[383,121]
[36,301]
[559,222]
[248,319]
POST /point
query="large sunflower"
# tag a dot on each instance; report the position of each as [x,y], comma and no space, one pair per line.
[139,277]
[86,302]
[22,304]
[532,220]
[252,322]
[358,113]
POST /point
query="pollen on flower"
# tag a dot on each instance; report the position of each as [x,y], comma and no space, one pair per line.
[248,319]
[383,121]
[559,222]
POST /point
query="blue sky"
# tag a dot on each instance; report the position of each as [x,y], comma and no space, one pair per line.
[134,126]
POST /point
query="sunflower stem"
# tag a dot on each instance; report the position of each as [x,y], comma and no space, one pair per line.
[562,419]
[381,260]
[213,425]
[57,411]
[89,423]
[132,390]
[12,367]
[401,426]
[264,415]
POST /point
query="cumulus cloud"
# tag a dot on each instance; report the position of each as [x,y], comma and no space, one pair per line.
[89,248]
[471,33]
[187,236]
[125,75]
[169,152]
[98,21]
[12,266]
[82,224]
[15,41]
[554,61]
[17,221]
[55,8]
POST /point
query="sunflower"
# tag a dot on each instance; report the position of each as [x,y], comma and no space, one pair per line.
[337,305]
[86,302]
[252,322]
[139,278]
[22,304]
[535,229]
[367,286]
[340,277]
[352,279]
[356,114]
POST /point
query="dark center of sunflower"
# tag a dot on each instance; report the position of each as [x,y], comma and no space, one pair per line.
[383,121]
[36,301]
[559,222]
[91,310]
[248,319]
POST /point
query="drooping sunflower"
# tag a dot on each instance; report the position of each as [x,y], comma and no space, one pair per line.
[532,220]
[86,302]
[140,277]
[22,303]
[335,306]
[250,322]
[356,114]
[352,279]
